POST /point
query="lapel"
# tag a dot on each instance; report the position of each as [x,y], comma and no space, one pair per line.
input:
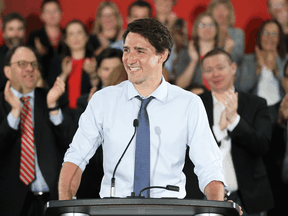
[241,102]
[208,103]
[39,116]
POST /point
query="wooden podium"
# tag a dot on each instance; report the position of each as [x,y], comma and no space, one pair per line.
[138,206]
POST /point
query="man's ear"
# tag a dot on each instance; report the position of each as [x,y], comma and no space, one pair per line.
[234,68]
[7,72]
[163,56]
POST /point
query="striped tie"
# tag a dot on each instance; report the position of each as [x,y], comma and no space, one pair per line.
[27,165]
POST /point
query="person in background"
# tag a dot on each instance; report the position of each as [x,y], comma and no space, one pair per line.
[204,39]
[278,151]
[241,125]
[46,41]
[35,130]
[164,12]
[108,26]
[278,11]
[261,73]
[231,39]
[14,29]
[77,63]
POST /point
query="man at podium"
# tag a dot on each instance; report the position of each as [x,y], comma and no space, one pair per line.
[166,118]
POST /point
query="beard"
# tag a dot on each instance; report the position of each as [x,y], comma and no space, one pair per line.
[14,41]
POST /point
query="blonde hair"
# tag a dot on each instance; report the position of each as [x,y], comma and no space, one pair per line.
[231,13]
[97,24]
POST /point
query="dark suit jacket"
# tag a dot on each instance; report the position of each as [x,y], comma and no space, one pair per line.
[51,143]
[45,59]
[250,141]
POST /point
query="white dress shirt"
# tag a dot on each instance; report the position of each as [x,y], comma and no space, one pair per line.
[225,148]
[177,119]
[39,184]
[268,87]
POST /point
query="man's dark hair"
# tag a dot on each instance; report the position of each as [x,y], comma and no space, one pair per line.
[281,47]
[217,51]
[140,3]
[109,53]
[48,1]
[154,31]
[14,16]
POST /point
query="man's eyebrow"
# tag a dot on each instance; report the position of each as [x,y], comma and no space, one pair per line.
[136,48]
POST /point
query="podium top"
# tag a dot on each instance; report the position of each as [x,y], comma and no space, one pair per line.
[138,206]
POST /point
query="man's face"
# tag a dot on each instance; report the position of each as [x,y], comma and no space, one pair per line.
[276,6]
[23,79]
[140,60]
[138,13]
[106,67]
[51,14]
[14,33]
[219,72]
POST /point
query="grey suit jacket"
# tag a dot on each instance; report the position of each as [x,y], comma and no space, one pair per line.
[247,79]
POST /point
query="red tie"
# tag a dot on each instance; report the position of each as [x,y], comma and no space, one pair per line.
[27,167]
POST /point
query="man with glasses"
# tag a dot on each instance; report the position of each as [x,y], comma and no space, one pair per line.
[35,130]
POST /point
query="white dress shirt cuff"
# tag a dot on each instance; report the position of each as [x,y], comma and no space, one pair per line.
[56,119]
[12,121]
[219,134]
[231,126]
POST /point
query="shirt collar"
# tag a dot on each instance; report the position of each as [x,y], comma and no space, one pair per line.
[160,93]
[215,101]
[19,95]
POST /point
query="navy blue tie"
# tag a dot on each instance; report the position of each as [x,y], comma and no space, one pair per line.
[142,153]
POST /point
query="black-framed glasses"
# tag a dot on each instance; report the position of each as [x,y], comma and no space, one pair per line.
[272,34]
[24,64]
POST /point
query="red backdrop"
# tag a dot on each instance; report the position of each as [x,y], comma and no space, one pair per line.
[249,13]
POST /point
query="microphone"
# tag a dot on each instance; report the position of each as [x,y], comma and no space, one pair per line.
[112,190]
[168,187]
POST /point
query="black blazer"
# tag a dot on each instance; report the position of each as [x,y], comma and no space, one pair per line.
[51,143]
[45,59]
[250,141]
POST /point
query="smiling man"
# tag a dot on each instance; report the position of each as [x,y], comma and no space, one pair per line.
[241,125]
[169,117]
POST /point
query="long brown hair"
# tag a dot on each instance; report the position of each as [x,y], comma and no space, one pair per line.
[195,35]
[281,47]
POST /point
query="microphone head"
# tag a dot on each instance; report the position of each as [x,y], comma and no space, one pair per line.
[135,123]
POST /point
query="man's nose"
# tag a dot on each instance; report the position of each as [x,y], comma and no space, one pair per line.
[131,58]
[29,68]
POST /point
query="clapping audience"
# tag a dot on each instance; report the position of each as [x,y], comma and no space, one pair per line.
[261,73]
[80,62]
[76,64]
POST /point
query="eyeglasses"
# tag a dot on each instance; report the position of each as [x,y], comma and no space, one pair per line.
[272,34]
[24,64]
[206,25]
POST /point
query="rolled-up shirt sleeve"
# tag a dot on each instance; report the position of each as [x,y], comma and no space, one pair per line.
[87,138]
[204,151]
